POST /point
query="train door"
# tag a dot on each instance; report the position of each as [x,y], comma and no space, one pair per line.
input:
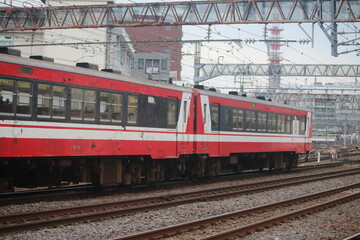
[205,138]
[215,129]
[172,111]
[308,131]
[183,136]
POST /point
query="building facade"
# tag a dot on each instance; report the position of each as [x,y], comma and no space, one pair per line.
[157,47]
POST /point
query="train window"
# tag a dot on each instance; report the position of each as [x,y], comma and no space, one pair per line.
[83,104]
[281,123]
[271,122]
[214,112]
[111,107]
[7,96]
[105,106]
[171,112]
[261,121]
[228,119]
[185,112]
[238,118]
[59,102]
[148,105]
[77,96]
[132,109]
[117,105]
[302,125]
[251,120]
[51,101]
[204,112]
[289,123]
[44,100]
[89,105]
[24,98]
[15,97]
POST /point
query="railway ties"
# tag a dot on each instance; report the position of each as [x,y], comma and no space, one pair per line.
[255,219]
[35,220]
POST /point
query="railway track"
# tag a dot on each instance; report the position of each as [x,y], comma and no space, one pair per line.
[231,225]
[35,220]
[88,190]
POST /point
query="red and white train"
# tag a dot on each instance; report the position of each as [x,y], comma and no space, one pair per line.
[69,124]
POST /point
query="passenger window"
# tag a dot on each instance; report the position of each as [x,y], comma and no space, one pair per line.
[132,109]
[51,101]
[262,121]
[302,125]
[111,107]
[271,122]
[24,98]
[83,103]
[171,113]
[77,96]
[281,123]
[251,120]
[89,105]
[238,120]
[15,97]
[117,105]
[228,119]
[214,111]
[7,96]
[105,106]
[59,102]
[289,123]
[44,100]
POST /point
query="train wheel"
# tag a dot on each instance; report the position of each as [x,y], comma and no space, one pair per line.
[154,170]
[213,167]
[293,161]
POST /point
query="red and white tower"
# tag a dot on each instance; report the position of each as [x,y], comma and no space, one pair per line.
[275,57]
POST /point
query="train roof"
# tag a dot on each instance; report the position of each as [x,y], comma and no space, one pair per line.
[251,100]
[86,71]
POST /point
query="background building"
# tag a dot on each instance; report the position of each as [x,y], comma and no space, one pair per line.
[108,48]
[157,47]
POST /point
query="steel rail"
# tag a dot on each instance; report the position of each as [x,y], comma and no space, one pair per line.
[33,220]
[353,237]
[203,223]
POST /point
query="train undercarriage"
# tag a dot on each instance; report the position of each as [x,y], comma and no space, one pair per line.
[131,170]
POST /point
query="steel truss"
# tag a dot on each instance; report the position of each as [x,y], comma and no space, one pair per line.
[180,13]
[208,71]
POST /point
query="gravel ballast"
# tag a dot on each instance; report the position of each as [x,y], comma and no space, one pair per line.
[313,227]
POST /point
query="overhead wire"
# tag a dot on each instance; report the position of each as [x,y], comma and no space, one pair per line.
[216,32]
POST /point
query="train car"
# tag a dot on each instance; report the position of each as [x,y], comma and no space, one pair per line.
[238,133]
[63,124]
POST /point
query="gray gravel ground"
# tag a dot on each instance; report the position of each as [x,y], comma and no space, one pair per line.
[323,225]
[335,223]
